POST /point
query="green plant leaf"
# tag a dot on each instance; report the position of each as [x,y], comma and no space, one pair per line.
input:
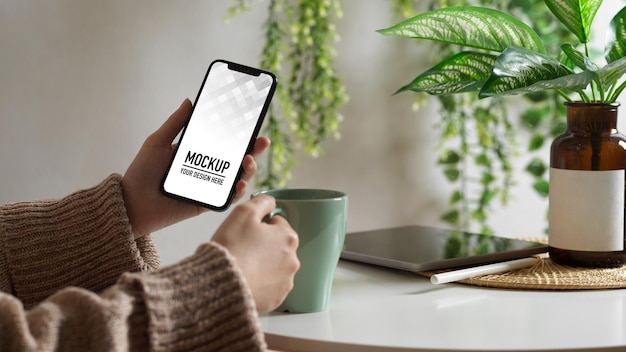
[449,157]
[469,26]
[537,97]
[533,117]
[536,167]
[452,174]
[610,73]
[536,142]
[460,73]
[450,129]
[487,197]
[483,160]
[487,178]
[542,187]
[579,59]
[615,39]
[479,215]
[558,129]
[456,197]
[448,103]
[519,70]
[451,217]
[576,15]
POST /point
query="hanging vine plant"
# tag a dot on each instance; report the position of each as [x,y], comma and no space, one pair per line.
[477,138]
[477,142]
[299,49]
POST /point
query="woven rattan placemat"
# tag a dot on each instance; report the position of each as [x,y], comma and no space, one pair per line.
[547,275]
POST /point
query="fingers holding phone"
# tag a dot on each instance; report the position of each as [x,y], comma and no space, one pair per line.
[226,118]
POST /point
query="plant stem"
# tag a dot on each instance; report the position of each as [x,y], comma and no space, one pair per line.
[618,91]
[593,83]
[465,220]
[584,97]
[611,92]
[565,96]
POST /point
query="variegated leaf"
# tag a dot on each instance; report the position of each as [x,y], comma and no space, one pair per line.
[610,73]
[576,15]
[615,45]
[578,58]
[462,72]
[469,26]
[518,71]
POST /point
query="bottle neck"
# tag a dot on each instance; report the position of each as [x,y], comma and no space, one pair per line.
[591,119]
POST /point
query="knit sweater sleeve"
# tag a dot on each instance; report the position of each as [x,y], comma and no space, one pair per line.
[199,304]
[83,240]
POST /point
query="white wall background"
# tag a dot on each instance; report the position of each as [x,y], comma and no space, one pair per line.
[82,83]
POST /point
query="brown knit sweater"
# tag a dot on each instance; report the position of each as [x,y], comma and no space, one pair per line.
[72,278]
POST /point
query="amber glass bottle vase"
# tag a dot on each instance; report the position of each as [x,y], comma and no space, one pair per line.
[587,188]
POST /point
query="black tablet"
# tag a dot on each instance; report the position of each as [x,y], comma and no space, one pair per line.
[420,248]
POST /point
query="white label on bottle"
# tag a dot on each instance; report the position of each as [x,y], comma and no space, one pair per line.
[587,210]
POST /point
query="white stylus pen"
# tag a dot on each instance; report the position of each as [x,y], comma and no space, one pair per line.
[494,268]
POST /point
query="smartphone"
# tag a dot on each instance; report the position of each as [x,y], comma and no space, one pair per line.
[226,118]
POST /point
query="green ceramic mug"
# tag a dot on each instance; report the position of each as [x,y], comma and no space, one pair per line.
[319,217]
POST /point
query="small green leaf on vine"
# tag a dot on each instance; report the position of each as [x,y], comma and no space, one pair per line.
[487,178]
[483,160]
[558,129]
[456,197]
[542,187]
[449,157]
[536,167]
[536,142]
[452,174]
[487,196]
[479,215]
[532,118]
[451,217]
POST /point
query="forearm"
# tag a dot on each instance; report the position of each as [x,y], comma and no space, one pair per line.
[201,303]
[83,240]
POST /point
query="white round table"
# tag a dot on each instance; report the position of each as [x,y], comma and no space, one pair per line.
[377,309]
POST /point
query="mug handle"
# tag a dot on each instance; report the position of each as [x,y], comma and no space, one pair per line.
[276,211]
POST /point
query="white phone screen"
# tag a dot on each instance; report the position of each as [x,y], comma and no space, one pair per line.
[224,123]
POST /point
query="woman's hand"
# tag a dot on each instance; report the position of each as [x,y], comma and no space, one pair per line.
[148,209]
[265,252]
